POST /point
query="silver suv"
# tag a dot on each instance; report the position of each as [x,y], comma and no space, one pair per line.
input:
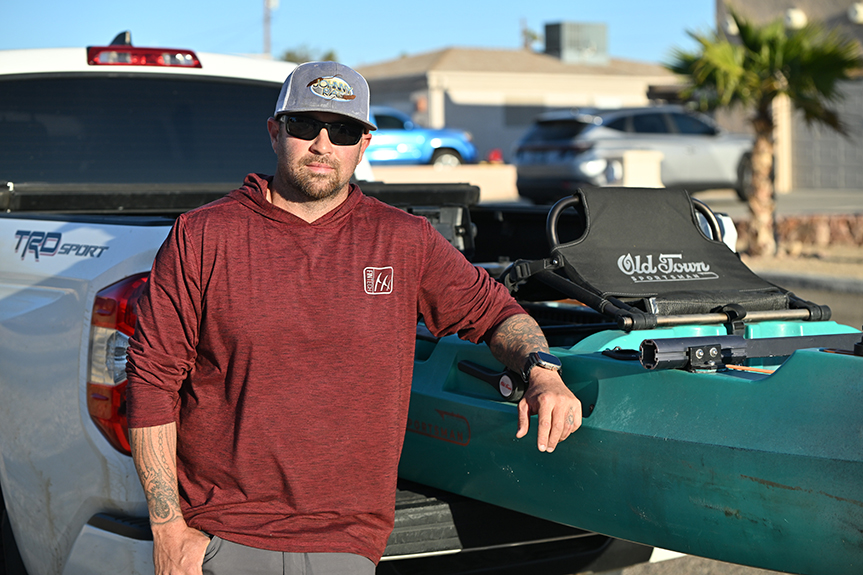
[584,146]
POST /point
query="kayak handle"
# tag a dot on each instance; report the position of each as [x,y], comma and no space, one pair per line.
[508,383]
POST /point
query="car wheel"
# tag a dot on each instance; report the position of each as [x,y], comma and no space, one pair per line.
[744,178]
[446,158]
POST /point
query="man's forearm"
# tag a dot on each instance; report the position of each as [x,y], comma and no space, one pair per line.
[514,338]
[177,548]
[154,450]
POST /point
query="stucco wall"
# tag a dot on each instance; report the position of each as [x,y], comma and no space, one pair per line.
[823,158]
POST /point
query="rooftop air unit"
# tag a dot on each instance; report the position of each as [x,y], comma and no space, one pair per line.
[577,43]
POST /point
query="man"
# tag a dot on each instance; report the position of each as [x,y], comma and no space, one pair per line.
[270,371]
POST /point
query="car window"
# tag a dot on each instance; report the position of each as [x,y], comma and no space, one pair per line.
[134,130]
[387,122]
[649,124]
[554,130]
[618,124]
[687,124]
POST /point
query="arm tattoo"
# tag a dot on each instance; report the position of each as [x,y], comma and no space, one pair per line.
[514,338]
[155,451]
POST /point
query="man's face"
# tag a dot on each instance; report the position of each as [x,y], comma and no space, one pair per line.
[317,168]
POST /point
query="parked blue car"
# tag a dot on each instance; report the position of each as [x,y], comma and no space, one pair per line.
[398,140]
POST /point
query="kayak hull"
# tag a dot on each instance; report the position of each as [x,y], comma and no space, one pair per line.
[746,467]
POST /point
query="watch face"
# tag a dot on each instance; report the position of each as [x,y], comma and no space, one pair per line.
[548,360]
[540,359]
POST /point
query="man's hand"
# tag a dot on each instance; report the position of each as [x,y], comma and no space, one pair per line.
[178,549]
[558,408]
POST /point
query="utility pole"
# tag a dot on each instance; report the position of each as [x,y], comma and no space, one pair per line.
[269,6]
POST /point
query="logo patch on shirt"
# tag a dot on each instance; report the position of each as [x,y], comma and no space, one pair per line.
[378,281]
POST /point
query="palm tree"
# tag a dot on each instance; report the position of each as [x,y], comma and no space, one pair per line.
[807,65]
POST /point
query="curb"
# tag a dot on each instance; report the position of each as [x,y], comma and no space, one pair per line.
[822,283]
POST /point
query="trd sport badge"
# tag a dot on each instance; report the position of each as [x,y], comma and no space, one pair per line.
[378,281]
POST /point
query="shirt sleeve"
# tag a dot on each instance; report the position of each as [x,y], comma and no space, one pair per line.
[163,349]
[458,297]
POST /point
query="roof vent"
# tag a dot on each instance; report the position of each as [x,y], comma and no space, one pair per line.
[577,42]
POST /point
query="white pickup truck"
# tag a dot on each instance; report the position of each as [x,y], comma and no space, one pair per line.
[100,149]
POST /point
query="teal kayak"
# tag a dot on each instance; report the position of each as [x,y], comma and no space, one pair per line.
[760,466]
[723,415]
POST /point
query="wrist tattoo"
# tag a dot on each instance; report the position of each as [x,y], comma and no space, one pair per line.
[515,338]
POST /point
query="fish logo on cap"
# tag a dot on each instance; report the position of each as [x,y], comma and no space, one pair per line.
[331,88]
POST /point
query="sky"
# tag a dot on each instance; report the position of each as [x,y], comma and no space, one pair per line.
[359,32]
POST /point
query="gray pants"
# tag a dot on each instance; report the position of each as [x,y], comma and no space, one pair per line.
[227,558]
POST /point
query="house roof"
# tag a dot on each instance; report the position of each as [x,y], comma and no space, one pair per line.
[502,61]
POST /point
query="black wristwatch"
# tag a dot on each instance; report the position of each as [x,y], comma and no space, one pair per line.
[540,359]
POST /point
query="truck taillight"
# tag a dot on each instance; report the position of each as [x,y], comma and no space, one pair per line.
[114,317]
[132,56]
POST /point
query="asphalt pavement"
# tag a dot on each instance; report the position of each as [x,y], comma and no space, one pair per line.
[689,565]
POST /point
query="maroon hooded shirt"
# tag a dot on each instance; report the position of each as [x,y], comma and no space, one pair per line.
[284,351]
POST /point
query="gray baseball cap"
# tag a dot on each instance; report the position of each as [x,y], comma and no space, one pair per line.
[326,87]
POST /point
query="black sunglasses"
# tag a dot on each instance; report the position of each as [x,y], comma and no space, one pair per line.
[307,128]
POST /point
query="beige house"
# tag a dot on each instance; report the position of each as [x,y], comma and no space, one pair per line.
[495,94]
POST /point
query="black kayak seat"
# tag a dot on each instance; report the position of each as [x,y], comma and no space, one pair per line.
[643,256]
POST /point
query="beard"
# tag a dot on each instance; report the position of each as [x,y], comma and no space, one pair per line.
[313,186]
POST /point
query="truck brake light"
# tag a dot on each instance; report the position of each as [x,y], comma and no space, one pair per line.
[133,56]
[113,322]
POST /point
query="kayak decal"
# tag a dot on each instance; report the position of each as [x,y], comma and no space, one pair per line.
[670,268]
[452,428]
[48,244]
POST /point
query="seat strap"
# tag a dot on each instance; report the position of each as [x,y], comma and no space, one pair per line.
[521,270]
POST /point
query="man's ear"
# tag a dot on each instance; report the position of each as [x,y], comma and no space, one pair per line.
[364,142]
[274,127]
